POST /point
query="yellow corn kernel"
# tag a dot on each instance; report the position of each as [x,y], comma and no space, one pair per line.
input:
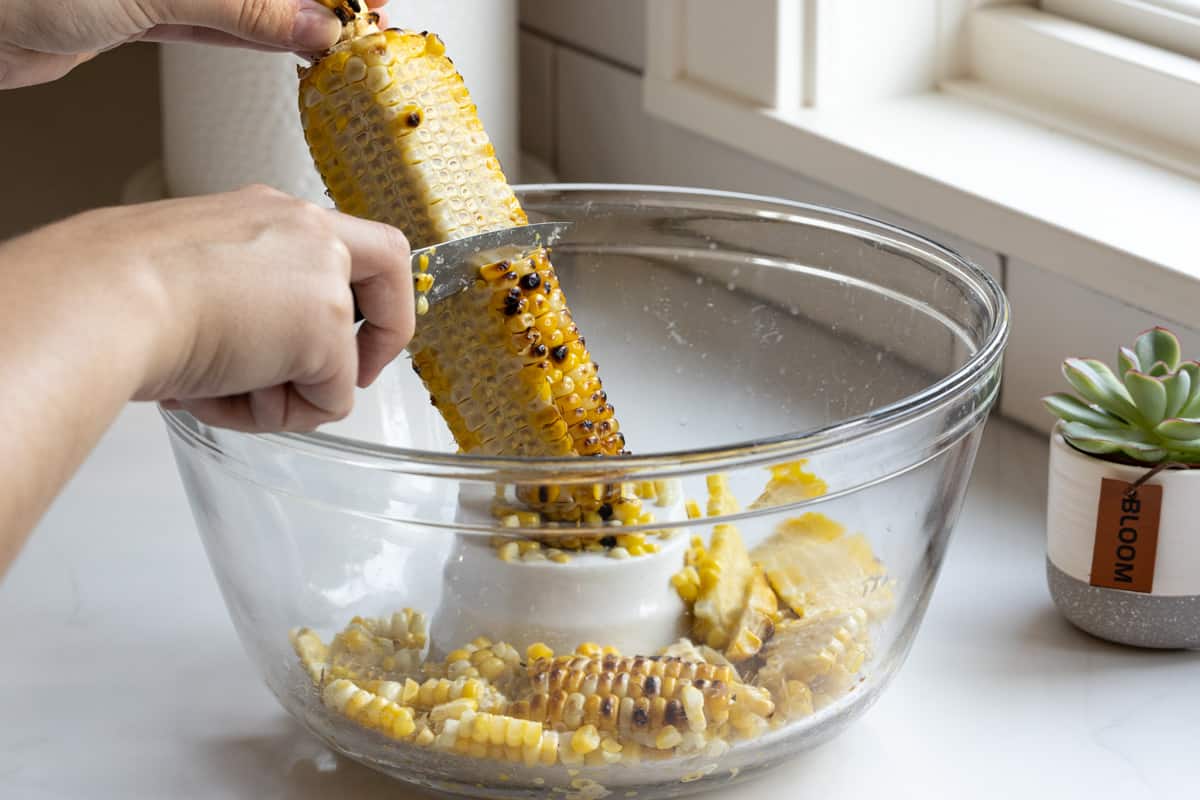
[668,738]
[589,650]
[537,652]
[693,509]
[585,740]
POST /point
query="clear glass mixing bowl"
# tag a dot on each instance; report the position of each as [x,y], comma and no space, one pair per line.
[734,334]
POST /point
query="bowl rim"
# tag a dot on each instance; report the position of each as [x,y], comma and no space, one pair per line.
[788,444]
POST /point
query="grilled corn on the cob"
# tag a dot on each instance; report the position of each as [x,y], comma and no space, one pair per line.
[396,138]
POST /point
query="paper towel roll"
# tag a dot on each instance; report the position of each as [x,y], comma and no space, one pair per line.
[230,116]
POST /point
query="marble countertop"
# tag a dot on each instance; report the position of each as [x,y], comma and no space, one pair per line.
[122,675]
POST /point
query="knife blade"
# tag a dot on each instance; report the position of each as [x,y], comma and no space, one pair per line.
[455,265]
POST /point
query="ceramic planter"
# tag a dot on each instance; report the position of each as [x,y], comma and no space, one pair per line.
[1166,616]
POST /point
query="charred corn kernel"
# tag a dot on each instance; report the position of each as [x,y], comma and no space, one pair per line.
[585,740]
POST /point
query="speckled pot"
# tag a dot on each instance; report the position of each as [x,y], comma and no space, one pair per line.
[1168,616]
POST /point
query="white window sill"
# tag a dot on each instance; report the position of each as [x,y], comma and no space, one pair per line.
[1109,221]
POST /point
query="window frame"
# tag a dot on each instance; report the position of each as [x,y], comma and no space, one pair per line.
[1152,22]
[953,149]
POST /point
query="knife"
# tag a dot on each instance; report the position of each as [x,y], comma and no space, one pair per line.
[455,265]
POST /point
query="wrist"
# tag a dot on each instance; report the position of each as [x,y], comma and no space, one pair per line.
[97,297]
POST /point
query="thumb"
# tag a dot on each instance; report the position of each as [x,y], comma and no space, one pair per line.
[304,26]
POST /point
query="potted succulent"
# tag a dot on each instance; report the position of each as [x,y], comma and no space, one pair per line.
[1123,535]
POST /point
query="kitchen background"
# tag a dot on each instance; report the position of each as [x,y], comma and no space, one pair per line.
[582,118]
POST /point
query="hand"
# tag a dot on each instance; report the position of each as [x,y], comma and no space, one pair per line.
[242,301]
[42,41]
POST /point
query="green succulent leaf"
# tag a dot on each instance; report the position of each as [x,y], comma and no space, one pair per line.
[1158,344]
[1134,444]
[1159,370]
[1127,360]
[1179,390]
[1192,407]
[1096,382]
[1180,429]
[1070,408]
[1149,395]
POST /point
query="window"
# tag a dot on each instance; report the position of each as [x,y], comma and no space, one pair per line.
[1036,128]
[1170,24]
[1125,73]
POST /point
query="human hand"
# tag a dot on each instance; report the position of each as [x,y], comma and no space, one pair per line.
[41,41]
[242,301]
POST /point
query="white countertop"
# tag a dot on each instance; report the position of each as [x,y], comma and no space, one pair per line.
[122,676]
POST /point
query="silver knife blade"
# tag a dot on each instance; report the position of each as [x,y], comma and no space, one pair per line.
[455,265]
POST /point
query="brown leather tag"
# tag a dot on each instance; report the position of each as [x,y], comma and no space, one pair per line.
[1126,536]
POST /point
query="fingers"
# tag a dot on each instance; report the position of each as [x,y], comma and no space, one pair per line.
[382,278]
[301,25]
[20,67]
[276,409]
[198,35]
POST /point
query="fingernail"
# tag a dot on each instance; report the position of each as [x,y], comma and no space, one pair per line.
[315,28]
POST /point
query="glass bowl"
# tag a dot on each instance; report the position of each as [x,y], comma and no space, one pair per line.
[814,381]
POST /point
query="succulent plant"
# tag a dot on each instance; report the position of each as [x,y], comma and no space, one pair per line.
[1151,413]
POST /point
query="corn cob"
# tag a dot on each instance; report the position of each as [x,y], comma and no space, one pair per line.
[370,710]
[499,737]
[641,699]
[396,138]
[634,666]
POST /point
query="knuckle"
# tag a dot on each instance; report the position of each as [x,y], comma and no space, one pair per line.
[262,190]
[256,16]
[397,244]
